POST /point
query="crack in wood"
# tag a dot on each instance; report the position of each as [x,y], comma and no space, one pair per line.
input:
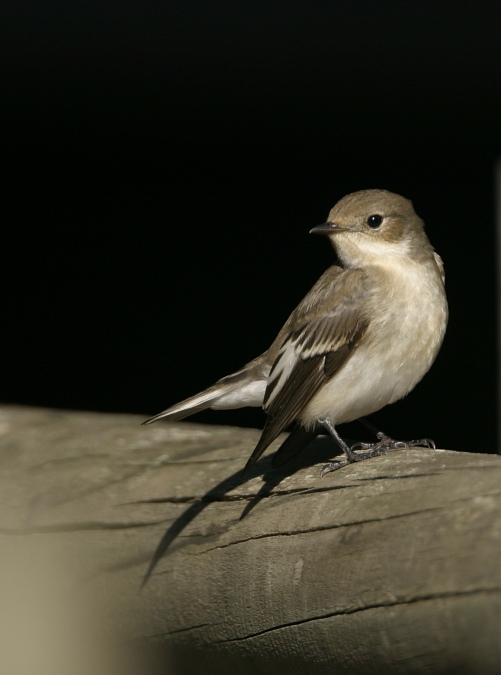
[212,498]
[291,533]
[323,528]
[355,610]
[77,527]
[179,630]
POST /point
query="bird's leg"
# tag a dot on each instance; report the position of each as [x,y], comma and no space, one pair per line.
[388,442]
[351,456]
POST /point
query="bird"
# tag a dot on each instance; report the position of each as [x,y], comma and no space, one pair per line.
[362,338]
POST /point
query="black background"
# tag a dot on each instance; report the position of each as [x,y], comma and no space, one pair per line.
[165,161]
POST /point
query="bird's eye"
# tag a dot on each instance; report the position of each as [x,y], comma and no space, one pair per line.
[374,221]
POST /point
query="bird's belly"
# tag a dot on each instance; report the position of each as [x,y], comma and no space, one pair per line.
[394,355]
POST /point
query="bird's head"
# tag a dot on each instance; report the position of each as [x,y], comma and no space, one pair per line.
[375,225]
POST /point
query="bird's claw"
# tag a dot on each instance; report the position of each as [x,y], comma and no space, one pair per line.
[423,443]
[384,444]
[352,457]
[359,445]
[333,466]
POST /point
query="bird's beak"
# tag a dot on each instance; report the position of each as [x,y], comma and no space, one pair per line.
[328,228]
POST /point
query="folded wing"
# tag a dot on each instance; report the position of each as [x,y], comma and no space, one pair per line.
[323,333]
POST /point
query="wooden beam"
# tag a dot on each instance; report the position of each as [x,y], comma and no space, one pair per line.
[390,565]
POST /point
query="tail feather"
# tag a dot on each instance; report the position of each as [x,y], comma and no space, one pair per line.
[205,399]
[246,387]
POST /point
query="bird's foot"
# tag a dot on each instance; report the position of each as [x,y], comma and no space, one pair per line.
[354,453]
[389,443]
[353,456]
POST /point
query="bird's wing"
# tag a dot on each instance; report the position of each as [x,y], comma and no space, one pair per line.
[320,337]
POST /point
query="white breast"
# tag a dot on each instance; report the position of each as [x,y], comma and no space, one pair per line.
[410,316]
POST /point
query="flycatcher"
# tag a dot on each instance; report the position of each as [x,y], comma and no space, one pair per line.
[363,337]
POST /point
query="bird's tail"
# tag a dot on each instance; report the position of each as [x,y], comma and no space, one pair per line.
[189,406]
[243,388]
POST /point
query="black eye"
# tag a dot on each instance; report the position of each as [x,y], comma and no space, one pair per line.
[374,221]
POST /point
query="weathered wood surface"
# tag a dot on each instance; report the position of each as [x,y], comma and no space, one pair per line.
[392,565]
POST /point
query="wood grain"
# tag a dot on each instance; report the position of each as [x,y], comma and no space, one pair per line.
[391,565]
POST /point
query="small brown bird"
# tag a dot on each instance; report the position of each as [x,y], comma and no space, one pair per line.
[363,337]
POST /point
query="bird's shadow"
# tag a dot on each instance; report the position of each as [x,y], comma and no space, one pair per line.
[321,449]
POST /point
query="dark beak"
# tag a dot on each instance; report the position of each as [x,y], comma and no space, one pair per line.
[326,228]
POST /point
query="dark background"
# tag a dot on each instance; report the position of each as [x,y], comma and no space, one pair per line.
[165,162]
